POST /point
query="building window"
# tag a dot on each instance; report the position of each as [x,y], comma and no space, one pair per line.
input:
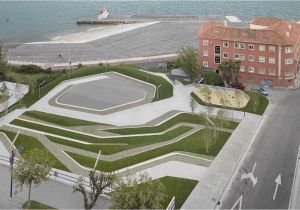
[261,59]
[272,71]
[251,46]
[242,57]
[225,44]
[205,52]
[289,61]
[205,63]
[288,50]
[261,47]
[217,59]
[288,73]
[271,60]
[217,50]
[237,56]
[251,69]
[242,68]
[271,48]
[225,55]
[251,57]
[261,70]
[239,45]
[205,42]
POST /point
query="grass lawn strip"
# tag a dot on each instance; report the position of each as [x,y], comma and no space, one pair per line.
[193,143]
[132,142]
[30,143]
[165,90]
[59,120]
[179,187]
[181,117]
[112,149]
[263,103]
[36,205]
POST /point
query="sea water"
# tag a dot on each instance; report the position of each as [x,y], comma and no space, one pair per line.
[26,21]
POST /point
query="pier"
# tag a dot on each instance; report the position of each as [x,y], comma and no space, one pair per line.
[106,22]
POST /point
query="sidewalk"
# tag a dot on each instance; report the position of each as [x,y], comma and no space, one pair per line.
[295,193]
[206,193]
[52,193]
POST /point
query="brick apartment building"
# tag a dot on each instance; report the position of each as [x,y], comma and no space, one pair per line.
[269,49]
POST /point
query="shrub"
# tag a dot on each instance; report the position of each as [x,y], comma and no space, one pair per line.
[211,78]
[80,65]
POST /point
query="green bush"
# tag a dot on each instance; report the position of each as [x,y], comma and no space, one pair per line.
[211,78]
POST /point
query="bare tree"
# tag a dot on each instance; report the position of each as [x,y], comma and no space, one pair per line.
[96,185]
[193,104]
[255,100]
[5,96]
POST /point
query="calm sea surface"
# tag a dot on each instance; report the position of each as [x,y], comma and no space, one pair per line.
[26,21]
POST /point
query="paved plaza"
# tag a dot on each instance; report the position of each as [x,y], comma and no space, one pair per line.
[105,93]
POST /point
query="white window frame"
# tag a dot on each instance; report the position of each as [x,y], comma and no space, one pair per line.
[272,48]
[272,60]
[205,53]
[239,45]
[252,69]
[242,68]
[225,44]
[242,57]
[262,48]
[261,59]
[251,56]
[251,45]
[288,50]
[205,42]
[205,63]
[261,68]
[225,53]
[289,61]
[235,56]
[272,69]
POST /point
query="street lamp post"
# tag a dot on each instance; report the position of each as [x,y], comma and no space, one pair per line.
[96,163]
[40,87]
[11,160]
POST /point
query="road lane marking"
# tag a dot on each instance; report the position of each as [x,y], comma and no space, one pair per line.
[278,182]
[239,201]
[250,176]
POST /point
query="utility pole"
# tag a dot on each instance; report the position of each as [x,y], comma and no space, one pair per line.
[11,160]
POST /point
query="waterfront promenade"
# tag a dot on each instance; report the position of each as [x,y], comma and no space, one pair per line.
[160,38]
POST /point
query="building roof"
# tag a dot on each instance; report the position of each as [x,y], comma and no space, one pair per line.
[277,32]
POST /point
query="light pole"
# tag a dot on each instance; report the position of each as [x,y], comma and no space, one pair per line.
[11,160]
[40,87]
[157,92]
[148,42]
[70,63]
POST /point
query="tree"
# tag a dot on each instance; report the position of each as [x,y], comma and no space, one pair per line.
[138,192]
[187,59]
[230,71]
[32,168]
[193,104]
[5,96]
[208,136]
[3,62]
[254,100]
[97,184]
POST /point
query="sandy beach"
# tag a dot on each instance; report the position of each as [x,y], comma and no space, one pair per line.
[96,33]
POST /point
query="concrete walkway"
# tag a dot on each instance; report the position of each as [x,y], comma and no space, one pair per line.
[133,116]
[207,193]
[52,193]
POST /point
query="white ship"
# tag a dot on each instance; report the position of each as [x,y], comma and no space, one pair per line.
[103,14]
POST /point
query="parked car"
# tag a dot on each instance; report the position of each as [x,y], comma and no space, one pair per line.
[260,90]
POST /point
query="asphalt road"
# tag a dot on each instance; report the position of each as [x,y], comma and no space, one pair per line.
[273,152]
[164,38]
[102,94]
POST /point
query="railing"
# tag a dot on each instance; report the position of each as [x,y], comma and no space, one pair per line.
[58,175]
[171,205]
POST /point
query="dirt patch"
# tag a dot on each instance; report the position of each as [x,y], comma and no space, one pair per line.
[222,96]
